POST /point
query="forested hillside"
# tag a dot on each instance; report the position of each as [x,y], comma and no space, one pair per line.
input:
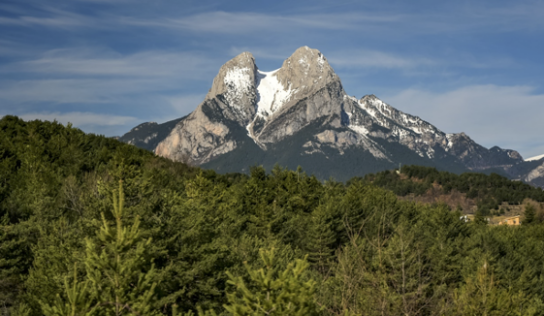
[489,194]
[92,226]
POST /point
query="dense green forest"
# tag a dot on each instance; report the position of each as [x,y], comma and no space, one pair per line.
[93,226]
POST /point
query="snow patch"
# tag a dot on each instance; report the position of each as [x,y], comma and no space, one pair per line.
[354,99]
[320,62]
[359,129]
[271,94]
[535,158]
[449,137]
[238,82]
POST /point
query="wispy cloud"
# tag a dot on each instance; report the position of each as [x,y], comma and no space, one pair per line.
[85,76]
[414,64]
[95,62]
[364,19]
[47,16]
[82,119]
[253,22]
[74,91]
[376,59]
[145,84]
[507,116]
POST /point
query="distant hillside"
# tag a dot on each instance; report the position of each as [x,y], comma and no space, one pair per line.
[469,192]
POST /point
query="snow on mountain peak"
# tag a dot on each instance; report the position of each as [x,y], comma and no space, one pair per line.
[321,60]
[271,94]
[535,158]
[238,82]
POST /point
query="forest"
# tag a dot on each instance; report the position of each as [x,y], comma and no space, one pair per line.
[93,226]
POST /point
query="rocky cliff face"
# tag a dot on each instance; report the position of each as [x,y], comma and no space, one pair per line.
[300,114]
[199,138]
[148,135]
[269,105]
[304,89]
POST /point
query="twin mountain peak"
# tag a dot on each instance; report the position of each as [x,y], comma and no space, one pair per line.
[300,115]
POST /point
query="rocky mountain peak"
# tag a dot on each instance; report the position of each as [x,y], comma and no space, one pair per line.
[235,82]
[143,125]
[306,71]
[300,114]
[305,75]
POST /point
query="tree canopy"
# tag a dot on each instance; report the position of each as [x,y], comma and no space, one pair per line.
[92,226]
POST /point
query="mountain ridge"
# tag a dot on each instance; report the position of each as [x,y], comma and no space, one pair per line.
[245,104]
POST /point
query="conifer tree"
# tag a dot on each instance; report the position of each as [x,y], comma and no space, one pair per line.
[272,292]
[321,238]
[482,296]
[529,215]
[118,279]
[117,273]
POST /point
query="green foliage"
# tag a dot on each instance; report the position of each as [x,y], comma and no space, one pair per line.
[490,190]
[273,292]
[349,249]
[77,300]
[529,215]
[117,280]
[483,295]
[391,180]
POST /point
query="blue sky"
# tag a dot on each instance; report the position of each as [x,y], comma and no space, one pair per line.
[108,65]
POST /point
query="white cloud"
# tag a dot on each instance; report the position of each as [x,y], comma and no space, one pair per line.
[376,59]
[253,22]
[80,119]
[84,76]
[364,18]
[370,20]
[94,62]
[48,16]
[506,116]
[76,91]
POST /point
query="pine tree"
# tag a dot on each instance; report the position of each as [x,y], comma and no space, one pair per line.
[482,296]
[529,215]
[272,292]
[321,238]
[77,300]
[118,279]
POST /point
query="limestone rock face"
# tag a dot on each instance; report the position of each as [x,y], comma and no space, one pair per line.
[270,106]
[148,135]
[373,117]
[196,139]
[203,134]
[235,83]
[314,91]
[306,72]
[342,141]
[535,174]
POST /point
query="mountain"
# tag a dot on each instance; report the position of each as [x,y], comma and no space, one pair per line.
[539,157]
[301,115]
[148,135]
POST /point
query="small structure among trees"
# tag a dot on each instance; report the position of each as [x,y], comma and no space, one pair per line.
[511,221]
